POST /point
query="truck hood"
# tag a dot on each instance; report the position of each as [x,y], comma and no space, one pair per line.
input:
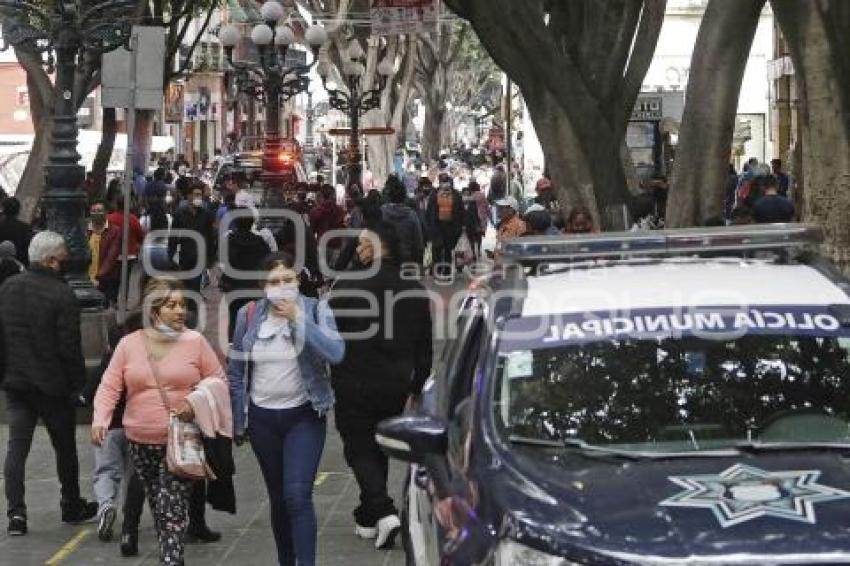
[766,508]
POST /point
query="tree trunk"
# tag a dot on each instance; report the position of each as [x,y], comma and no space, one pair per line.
[104,150]
[31,186]
[564,156]
[378,149]
[717,70]
[432,131]
[816,36]
[142,140]
[591,69]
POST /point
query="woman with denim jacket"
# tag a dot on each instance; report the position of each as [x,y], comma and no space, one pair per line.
[281,392]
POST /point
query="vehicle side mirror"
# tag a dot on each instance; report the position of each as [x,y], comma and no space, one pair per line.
[415,438]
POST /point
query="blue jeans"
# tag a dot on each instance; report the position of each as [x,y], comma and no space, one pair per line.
[288,444]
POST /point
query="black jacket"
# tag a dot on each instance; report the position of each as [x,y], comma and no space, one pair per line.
[200,221]
[773,208]
[40,332]
[245,252]
[406,222]
[392,359]
[20,234]
[435,225]
[221,493]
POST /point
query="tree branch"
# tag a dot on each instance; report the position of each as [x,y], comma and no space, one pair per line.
[646,40]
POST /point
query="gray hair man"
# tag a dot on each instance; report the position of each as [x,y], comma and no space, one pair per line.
[42,371]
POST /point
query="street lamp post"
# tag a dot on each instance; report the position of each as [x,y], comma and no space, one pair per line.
[270,80]
[62,36]
[356,102]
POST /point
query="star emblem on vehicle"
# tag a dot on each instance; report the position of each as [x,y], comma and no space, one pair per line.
[742,493]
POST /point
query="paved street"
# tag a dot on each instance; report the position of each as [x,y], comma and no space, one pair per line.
[246,540]
[246,537]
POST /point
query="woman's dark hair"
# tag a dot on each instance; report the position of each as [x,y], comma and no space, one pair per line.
[371,209]
[388,236]
[277,259]
[287,261]
[474,187]
[539,221]
[579,211]
[243,223]
[395,190]
[157,215]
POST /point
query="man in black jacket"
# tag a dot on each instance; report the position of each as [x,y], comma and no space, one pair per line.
[406,221]
[444,217]
[43,372]
[387,361]
[198,252]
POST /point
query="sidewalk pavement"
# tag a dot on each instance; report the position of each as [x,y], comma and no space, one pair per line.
[247,538]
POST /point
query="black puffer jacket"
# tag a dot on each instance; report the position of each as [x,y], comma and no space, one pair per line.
[40,332]
[245,252]
[380,358]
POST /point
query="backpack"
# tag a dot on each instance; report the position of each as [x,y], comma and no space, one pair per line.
[445,206]
[749,191]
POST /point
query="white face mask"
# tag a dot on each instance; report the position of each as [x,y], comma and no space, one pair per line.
[198,202]
[169,199]
[278,293]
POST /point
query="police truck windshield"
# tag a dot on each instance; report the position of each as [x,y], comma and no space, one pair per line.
[663,381]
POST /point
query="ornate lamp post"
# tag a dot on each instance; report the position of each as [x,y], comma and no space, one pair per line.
[63,35]
[356,102]
[270,80]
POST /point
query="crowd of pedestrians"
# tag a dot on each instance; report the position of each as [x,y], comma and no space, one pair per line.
[293,351]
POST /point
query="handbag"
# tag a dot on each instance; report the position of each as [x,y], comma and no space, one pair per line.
[184,450]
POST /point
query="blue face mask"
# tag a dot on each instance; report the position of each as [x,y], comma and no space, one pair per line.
[166,331]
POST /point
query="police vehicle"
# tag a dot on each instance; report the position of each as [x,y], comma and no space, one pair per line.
[674,397]
[247,166]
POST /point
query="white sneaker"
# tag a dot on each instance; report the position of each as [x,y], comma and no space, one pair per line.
[388,528]
[365,532]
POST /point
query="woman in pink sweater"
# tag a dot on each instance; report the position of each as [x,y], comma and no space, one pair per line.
[182,359]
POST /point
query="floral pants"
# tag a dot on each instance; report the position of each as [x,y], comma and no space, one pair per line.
[168,497]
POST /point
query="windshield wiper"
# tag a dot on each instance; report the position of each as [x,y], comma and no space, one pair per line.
[760,447]
[580,445]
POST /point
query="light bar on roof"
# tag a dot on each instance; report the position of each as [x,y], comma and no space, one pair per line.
[688,241]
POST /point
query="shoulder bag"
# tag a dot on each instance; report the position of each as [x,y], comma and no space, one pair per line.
[184,451]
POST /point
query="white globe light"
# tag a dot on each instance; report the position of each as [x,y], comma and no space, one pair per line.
[229,35]
[261,34]
[316,36]
[386,68]
[271,11]
[284,36]
[355,51]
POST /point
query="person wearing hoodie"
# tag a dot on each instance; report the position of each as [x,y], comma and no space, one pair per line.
[244,251]
[388,356]
[405,220]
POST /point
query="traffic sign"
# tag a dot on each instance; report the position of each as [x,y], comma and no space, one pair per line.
[386,131]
